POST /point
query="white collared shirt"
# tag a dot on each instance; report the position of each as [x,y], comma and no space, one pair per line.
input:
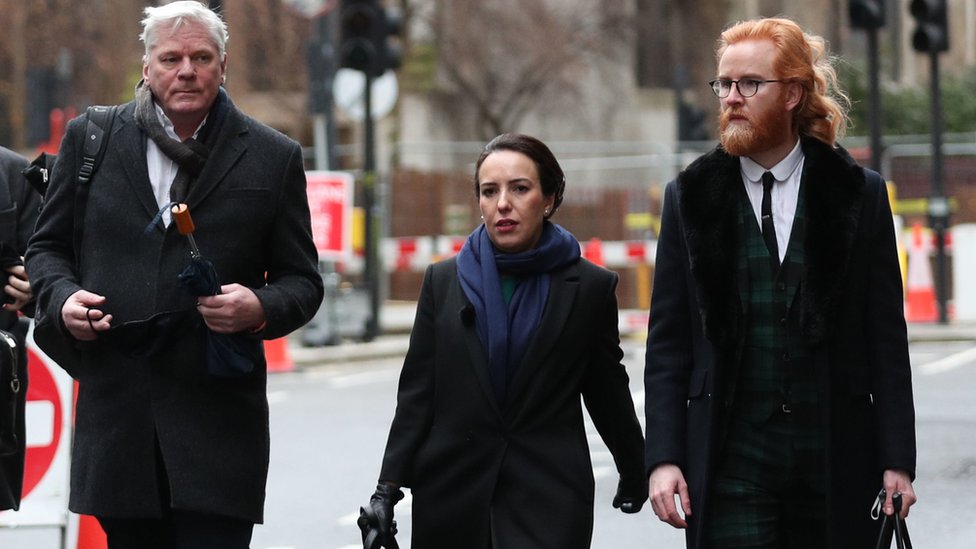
[162,170]
[783,196]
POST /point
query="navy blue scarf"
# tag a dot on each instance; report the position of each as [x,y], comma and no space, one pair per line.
[505,331]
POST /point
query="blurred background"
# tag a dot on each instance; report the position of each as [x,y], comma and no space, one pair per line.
[616,87]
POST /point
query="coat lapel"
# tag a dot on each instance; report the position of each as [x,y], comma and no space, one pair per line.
[833,185]
[128,141]
[563,289]
[477,357]
[228,149]
[708,202]
[834,190]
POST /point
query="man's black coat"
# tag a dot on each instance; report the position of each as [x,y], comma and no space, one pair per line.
[849,307]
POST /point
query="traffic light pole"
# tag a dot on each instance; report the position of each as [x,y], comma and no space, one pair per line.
[371,220]
[938,203]
[875,99]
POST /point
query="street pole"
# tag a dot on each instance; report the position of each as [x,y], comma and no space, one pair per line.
[938,203]
[370,218]
[875,99]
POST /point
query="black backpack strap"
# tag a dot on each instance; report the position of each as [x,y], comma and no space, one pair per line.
[100,119]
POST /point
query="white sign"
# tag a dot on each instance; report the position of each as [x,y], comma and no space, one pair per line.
[311,8]
[349,93]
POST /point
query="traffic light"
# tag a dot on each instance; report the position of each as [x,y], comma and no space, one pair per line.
[692,123]
[866,14]
[932,33]
[365,38]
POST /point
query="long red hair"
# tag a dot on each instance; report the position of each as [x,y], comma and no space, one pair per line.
[802,58]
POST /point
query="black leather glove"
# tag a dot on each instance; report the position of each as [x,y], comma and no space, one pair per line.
[631,494]
[376,519]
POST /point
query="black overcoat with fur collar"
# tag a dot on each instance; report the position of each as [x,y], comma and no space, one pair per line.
[849,307]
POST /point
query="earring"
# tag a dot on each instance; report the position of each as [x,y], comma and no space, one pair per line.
[546,212]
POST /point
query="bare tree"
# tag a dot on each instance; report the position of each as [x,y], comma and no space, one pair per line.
[507,57]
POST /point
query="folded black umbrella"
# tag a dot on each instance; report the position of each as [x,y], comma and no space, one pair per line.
[228,355]
[369,527]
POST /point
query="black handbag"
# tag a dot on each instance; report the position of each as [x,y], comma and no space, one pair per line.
[891,526]
[13,392]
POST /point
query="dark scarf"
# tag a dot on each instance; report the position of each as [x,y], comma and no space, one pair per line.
[190,155]
[505,331]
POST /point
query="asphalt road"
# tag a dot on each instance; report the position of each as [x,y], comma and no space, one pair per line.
[329,426]
[333,421]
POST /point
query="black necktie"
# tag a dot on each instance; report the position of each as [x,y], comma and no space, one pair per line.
[769,232]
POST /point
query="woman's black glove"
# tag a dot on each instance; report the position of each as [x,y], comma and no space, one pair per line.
[376,519]
[631,494]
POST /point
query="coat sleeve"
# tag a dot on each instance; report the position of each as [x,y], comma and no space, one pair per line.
[888,356]
[606,392]
[25,200]
[669,353]
[26,204]
[295,288]
[50,260]
[415,393]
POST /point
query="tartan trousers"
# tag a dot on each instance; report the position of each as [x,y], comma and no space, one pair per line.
[768,491]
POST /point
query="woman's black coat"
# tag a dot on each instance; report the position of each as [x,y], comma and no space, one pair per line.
[460,453]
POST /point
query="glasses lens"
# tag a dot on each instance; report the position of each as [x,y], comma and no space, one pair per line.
[721,87]
[748,87]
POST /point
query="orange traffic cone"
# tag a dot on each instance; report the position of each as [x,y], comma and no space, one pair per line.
[90,533]
[277,355]
[593,250]
[920,305]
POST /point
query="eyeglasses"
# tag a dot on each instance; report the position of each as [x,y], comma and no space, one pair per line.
[747,86]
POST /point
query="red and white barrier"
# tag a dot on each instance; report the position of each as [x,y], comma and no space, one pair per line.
[413,254]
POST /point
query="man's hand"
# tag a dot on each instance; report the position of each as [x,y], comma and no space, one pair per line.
[665,482]
[82,317]
[896,480]
[235,309]
[18,287]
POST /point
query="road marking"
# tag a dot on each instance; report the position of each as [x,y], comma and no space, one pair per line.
[950,362]
[275,397]
[364,378]
[348,520]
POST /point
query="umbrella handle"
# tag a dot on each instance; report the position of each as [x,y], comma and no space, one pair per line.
[184,223]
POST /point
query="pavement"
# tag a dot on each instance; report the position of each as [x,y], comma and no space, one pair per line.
[396,319]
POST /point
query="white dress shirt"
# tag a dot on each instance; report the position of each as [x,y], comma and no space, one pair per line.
[783,196]
[162,170]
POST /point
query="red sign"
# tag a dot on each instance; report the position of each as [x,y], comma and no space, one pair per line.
[45,411]
[330,203]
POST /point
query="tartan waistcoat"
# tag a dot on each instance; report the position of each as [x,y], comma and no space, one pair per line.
[776,371]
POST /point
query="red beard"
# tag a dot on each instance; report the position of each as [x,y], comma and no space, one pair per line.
[756,135]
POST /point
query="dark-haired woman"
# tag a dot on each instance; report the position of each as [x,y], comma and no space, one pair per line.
[488,432]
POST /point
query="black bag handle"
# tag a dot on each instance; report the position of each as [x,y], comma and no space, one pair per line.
[893,526]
